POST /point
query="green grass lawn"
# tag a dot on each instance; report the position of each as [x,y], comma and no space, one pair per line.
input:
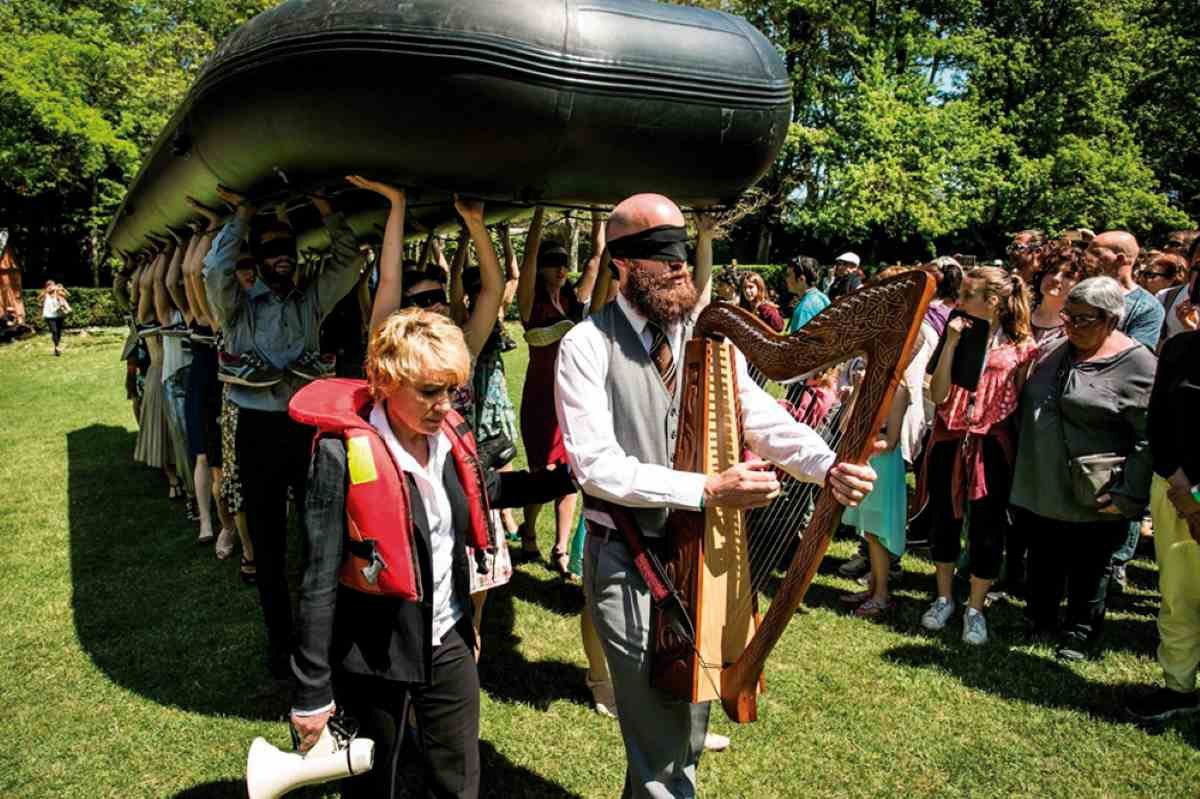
[130,657]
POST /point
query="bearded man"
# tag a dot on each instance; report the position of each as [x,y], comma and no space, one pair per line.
[272,338]
[617,400]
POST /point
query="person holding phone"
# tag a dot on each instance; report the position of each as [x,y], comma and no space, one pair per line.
[969,462]
[1083,463]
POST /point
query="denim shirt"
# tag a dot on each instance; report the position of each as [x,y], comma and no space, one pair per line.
[280,329]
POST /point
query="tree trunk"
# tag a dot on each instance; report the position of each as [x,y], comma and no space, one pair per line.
[572,222]
[763,252]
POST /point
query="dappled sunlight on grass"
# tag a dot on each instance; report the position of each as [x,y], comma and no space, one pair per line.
[131,656]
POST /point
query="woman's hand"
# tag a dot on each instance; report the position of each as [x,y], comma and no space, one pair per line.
[208,213]
[1188,315]
[706,222]
[955,327]
[238,201]
[394,194]
[309,728]
[470,210]
[1185,504]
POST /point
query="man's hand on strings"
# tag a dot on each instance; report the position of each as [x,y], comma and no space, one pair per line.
[851,482]
[747,485]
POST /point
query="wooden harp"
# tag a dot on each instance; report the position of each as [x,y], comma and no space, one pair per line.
[719,651]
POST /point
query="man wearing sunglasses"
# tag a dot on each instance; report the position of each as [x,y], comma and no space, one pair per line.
[272,335]
[1024,253]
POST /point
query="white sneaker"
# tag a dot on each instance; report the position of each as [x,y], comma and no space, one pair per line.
[938,614]
[974,628]
[715,743]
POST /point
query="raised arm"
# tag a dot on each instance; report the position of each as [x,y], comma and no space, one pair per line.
[458,306]
[587,281]
[221,288]
[390,290]
[491,282]
[512,270]
[193,277]
[606,285]
[145,306]
[528,278]
[174,277]
[706,225]
[162,299]
[340,275]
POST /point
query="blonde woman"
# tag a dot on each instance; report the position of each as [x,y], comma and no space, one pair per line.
[372,651]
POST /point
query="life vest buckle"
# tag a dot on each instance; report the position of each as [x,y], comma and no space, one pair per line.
[371,571]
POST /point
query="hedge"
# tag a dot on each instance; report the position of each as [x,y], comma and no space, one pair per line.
[90,307]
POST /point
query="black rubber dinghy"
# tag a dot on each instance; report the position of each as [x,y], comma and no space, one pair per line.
[568,102]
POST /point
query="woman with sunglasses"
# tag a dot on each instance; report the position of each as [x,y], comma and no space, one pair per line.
[1083,463]
[550,306]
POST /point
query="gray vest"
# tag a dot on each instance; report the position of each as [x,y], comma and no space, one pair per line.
[645,416]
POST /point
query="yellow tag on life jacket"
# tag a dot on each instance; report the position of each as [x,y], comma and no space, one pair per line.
[360,460]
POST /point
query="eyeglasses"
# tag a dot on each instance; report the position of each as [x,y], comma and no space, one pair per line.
[1014,249]
[1079,320]
[424,299]
[1151,275]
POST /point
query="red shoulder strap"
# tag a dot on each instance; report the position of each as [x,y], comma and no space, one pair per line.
[466,466]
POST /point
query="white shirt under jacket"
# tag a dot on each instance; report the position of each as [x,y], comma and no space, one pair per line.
[435,501]
[603,469]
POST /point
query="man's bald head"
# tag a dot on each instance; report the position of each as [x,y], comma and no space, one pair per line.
[1113,253]
[1118,241]
[642,212]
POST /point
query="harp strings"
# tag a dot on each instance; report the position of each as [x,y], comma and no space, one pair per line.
[772,531]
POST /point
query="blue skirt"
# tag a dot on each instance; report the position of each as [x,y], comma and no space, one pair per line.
[884,513]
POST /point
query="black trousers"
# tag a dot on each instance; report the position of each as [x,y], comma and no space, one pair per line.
[988,515]
[55,323]
[1071,558]
[447,711]
[273,453]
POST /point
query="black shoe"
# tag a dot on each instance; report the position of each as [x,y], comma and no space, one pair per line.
[1074,647]
[1163,704]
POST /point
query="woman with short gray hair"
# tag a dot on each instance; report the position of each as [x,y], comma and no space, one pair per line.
[1083,463]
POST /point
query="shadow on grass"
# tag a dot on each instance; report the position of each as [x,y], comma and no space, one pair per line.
[157,614]
[506,674]
[502,779]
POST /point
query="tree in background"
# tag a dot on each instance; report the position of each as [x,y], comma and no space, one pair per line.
[918,125]
[86,87]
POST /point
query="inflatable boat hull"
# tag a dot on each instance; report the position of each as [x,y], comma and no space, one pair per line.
[523,101]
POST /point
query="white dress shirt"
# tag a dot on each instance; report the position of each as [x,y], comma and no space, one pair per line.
[446,608]
[1174,326]
[604,470]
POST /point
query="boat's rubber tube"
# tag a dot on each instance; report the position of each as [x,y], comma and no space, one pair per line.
[525,101]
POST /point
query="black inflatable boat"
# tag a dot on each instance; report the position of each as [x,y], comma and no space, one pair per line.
[570,102]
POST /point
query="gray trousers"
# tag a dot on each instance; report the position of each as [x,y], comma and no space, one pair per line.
[663,737]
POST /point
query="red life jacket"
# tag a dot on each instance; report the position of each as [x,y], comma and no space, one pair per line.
[381,552]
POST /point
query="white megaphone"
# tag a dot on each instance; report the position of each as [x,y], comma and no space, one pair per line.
[270,773]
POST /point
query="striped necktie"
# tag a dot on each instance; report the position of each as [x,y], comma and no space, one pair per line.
[660,353]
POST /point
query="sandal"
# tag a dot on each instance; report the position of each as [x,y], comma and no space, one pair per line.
[857,598]
[175,491]
[248,572]
[192,510]
[872,609]
[225,542]
[560,562]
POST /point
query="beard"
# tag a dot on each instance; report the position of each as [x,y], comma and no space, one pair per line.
[656,298]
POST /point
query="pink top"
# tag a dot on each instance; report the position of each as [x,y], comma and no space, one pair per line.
[995,398]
